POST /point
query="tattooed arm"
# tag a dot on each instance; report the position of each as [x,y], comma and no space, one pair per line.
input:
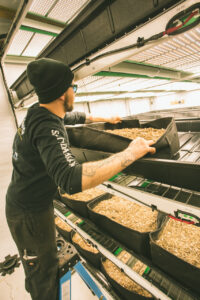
[94,173]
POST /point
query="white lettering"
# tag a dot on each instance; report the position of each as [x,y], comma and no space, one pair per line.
[55,132]
[66,151]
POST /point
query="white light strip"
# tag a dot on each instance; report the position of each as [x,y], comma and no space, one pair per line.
[41,7]
[19,42]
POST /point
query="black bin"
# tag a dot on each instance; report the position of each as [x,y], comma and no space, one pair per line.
[93,137]
[65,234]
[134,240]
[179,269]
[121,291]
[93,258]
[77,205]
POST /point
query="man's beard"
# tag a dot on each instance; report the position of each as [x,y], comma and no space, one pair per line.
[67,106]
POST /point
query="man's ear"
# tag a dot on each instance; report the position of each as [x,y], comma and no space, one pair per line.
[62,97]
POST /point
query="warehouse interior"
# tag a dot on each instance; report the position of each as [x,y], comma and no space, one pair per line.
[139,60]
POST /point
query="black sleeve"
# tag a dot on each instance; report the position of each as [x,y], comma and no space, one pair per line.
[73,118]
[52,143]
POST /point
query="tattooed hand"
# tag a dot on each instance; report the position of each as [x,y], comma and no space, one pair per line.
[139,147]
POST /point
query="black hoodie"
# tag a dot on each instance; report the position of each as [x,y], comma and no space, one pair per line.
[42,160]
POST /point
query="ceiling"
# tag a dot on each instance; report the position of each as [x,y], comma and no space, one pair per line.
[168,65]
[8,11]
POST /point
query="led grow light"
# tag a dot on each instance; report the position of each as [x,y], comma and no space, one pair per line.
[38,42]
[41,7]
[173,52]
[19,42]
[64,10]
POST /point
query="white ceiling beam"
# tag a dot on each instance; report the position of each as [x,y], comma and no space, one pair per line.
[15,59]
[41,25]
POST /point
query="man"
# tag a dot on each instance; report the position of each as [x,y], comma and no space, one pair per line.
[42,161]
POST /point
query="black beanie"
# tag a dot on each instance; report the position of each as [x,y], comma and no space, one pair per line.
[50,78]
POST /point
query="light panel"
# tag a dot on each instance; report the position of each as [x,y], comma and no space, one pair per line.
[175,53]
[41,7]
[36,45]
[99,83]
[117,84]
[65,10]
[19,42]
[185,86]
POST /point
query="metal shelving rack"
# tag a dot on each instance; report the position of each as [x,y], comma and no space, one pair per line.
[178,202]
[149,277]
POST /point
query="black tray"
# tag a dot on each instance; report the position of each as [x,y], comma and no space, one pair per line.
[121,291]
[134,240]
[179,269]
[93,258]
[66,234]
[77,205]
[93,137]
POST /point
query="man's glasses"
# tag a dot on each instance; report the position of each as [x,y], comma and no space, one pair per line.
[75,87]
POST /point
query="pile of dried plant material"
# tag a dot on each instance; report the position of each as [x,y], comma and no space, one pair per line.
[83,243]
[129,214]
[146,133]
[85,195]
[182,240]
[62,225]
[122,279]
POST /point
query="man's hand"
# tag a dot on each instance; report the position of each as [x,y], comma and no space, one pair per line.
[114,120]
[139,147]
